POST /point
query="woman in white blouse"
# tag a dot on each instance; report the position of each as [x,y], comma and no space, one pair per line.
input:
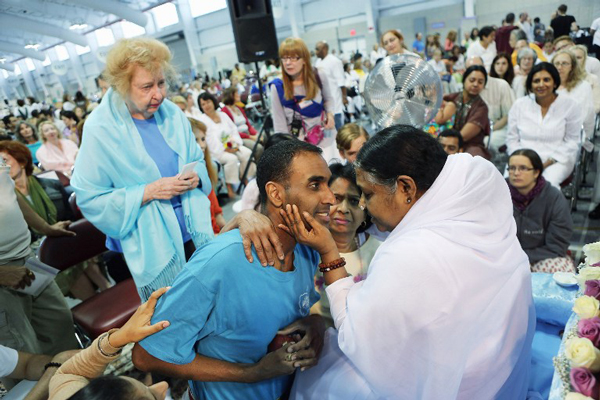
[546,122]
[574,86]
[224,142]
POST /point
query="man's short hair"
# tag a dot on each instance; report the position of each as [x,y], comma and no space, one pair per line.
[486,31]
[275,163]
[510,18]
[453,133]
[562,8]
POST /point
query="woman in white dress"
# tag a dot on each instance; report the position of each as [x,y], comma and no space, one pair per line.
[547,122]
[574,86]
[446,311]
[224,142]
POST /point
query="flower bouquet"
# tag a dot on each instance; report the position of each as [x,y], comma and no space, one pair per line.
[579,365]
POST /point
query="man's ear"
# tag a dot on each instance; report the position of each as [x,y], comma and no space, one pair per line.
[275,194]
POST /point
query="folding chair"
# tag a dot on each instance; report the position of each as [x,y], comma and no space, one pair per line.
[108,309]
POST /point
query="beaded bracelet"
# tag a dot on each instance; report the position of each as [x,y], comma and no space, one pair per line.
[330,266]
[52,365]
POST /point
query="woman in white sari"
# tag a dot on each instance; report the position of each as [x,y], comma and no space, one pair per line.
[446,311]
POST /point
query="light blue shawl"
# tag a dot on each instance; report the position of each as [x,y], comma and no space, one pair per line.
[111,172]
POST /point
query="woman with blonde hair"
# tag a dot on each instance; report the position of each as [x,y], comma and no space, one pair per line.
[580,52]
[130,178]
[56,152]
[574,86]
[349,140]
[301,102]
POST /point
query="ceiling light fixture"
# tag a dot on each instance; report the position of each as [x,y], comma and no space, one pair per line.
[33,46]
[78,26]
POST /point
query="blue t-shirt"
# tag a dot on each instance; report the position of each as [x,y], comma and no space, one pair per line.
[167,162]
[223,307]
[33,148]
[419,46]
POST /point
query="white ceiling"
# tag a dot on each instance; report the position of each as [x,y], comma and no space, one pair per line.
[47,22]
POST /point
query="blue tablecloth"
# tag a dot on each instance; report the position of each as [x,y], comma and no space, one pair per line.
[553,306]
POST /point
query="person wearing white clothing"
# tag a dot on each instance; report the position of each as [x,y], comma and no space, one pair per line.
[595,31]
[574,86]
[547,123]
[580,52]
[400,334]
[499,98]
[334,70]
[224,142]
[485,47]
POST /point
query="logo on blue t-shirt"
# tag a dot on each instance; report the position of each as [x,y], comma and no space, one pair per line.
[304,304]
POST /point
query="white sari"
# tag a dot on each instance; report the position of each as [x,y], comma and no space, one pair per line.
[446,311]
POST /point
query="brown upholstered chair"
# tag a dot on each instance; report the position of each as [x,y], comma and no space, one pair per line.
[108,309]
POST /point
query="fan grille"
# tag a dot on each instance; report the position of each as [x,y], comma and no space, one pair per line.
[403,89]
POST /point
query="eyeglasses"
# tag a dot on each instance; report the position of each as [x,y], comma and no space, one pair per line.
[562,64]
[290,58]
[520,168]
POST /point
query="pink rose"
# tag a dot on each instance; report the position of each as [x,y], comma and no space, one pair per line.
[590,328]
[592,288]
[584,382]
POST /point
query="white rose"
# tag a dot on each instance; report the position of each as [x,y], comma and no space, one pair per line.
[592,253]
[586,307]
[588,274]
[576,396]
[582,353]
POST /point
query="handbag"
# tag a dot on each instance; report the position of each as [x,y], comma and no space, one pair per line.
[315,134]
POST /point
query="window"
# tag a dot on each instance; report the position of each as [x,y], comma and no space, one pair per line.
[131,30]
[82,50]
[4,74]
[105,37]
[17,70]
[46,62]
[61,52]
[29,63]
[203,7]
[165,15]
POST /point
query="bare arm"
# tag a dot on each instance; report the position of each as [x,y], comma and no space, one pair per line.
[469,131]
[500,123]
[445,113]
[31,367]
[208,369]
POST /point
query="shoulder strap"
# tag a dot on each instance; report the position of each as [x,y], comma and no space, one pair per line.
[318,78]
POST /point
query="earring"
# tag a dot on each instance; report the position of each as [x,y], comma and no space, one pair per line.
[408,200]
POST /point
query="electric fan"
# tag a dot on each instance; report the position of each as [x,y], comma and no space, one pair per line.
[403,89]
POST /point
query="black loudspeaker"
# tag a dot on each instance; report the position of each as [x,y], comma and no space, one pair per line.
[253,30]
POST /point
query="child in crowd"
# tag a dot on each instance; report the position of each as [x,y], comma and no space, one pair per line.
[218,221]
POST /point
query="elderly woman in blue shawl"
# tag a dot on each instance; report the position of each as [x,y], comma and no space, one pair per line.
[127,176]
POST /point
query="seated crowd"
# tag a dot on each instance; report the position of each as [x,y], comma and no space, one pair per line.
[237,307]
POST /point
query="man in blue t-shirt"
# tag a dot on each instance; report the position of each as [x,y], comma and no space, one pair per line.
[224,311]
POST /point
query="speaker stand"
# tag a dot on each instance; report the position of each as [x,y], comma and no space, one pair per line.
[265,129]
